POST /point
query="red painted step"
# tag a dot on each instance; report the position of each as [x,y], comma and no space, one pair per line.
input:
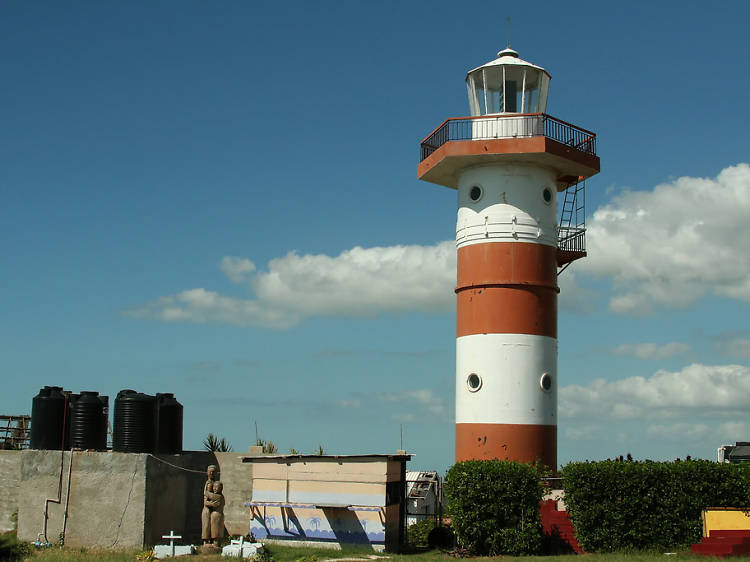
[724,543]
[730,533]
[556,525]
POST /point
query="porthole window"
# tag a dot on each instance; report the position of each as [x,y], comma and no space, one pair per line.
[547,195]
[475,193]
[546,382]
[474,382]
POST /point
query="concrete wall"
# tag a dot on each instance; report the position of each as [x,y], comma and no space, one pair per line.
[118,500]
[174,498]
[105,494]
[10,482]
[238,484]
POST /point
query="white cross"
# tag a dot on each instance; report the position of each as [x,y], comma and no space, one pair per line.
[171,536]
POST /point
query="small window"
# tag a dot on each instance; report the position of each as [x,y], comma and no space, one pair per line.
[475,193]
[546,382]
[547,195]
[474,382]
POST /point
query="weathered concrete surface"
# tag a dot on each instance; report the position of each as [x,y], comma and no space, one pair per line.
[118,500]
[104,493]
[174,497]
[238,485]
[10,479]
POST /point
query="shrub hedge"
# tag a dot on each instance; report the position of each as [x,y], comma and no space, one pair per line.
[417,533]
[494,507]
[617,505]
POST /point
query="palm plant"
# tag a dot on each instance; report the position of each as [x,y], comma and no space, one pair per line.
[269,447]
[215,444]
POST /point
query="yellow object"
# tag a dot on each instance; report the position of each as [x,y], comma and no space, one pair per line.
[725,519]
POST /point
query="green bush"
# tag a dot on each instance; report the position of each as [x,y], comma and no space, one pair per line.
[495,507]
[645,505]
[417,533]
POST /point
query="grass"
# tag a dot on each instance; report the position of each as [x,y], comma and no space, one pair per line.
[301,554]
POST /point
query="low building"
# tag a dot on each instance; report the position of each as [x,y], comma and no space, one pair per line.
[329,500]
[739,452]
[424,496]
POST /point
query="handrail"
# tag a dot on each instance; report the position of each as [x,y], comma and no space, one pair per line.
[465,128]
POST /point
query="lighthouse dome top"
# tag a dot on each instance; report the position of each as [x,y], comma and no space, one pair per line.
[507,51]
[507,84]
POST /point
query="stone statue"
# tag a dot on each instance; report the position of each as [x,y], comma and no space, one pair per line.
[212,516]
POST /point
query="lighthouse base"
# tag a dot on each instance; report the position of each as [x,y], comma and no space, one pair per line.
[514,442]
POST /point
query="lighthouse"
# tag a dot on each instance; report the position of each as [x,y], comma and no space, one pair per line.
[510,162]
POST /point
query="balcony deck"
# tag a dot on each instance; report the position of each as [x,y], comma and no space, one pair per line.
[533,137]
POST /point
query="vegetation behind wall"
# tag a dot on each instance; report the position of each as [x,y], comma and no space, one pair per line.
[616,505]
[494,507]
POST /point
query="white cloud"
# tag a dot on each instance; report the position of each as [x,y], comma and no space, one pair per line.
[573,297]
[362,281]
[675,243]
[581,432]
[703,390]
[404,418]
[733,431]
[680,431]
[411,404]
[734,346]
[651,350]
[237,269]
[423,399]
[358,282]
[200,305]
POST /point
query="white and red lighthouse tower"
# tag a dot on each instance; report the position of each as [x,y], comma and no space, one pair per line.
[509,161]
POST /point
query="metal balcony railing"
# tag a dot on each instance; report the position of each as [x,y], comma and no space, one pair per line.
[571,230]
[572,238]
[509,126]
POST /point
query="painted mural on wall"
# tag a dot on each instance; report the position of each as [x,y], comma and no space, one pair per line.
[352,524]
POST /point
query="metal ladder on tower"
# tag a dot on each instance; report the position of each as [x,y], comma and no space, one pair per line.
[571,230]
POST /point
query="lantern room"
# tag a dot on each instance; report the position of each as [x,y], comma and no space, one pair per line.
[507,84]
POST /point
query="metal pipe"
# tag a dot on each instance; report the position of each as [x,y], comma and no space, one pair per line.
[59,485]
[67,499]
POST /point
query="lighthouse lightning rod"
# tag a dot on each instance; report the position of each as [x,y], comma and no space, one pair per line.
[507,31]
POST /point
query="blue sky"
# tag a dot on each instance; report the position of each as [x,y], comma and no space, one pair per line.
[220,201]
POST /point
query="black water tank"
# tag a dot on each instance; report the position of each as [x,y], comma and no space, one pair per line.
[134,425]
[48,419]
[168,424]
[88,421]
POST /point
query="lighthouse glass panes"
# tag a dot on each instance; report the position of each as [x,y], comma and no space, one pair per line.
[507,88]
